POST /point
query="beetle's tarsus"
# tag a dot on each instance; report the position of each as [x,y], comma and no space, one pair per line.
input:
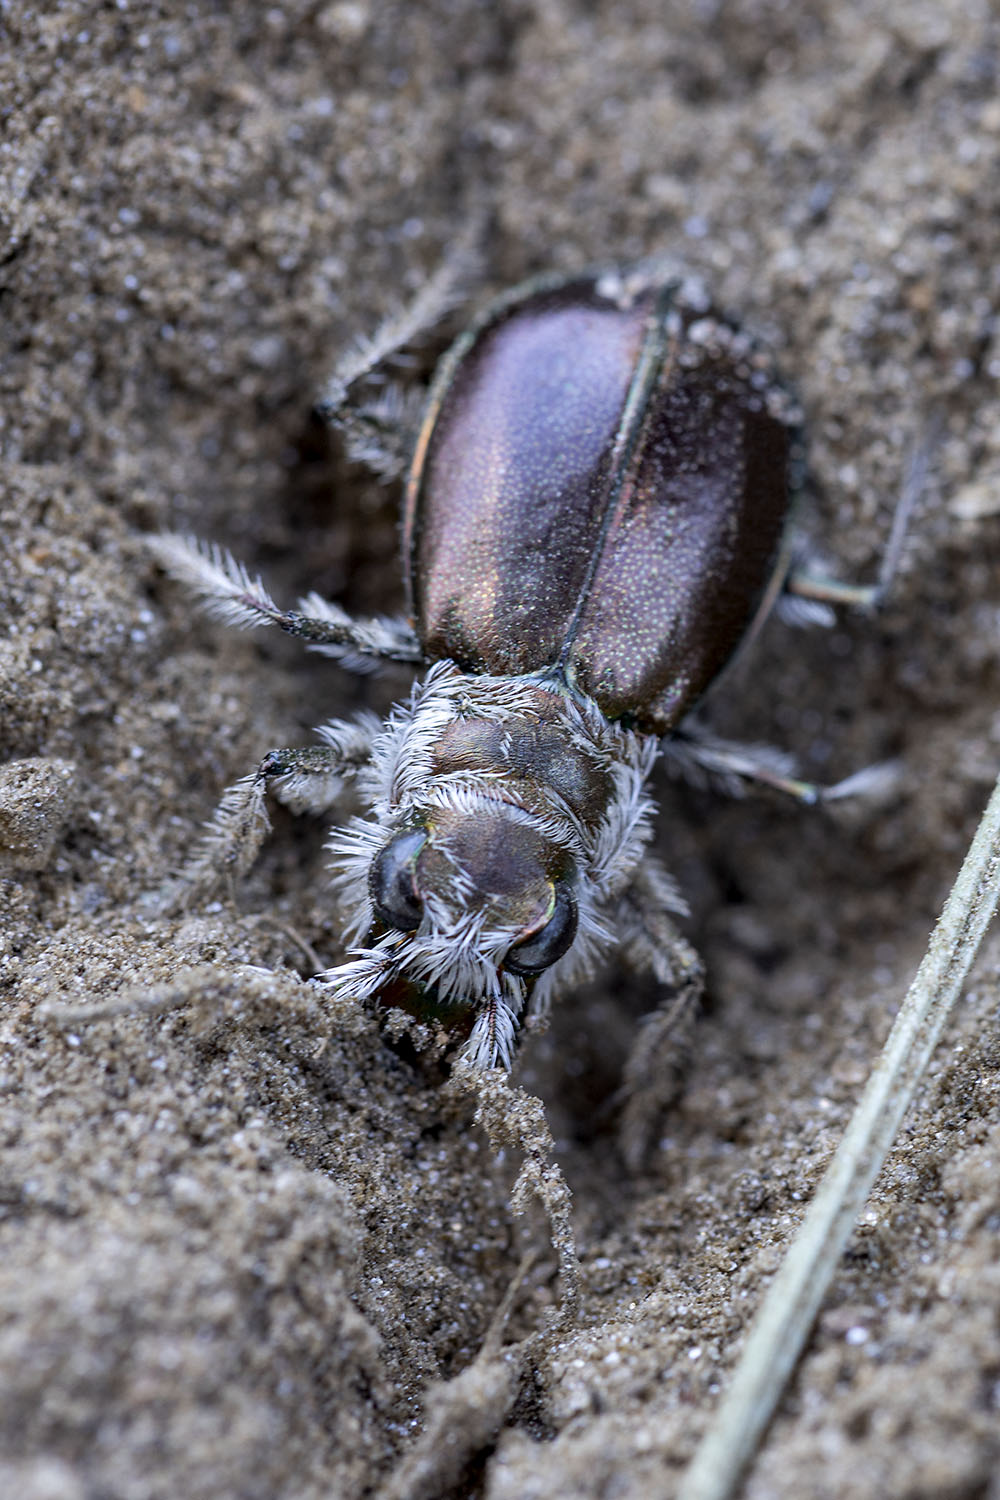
[829,594]
[873,783]
[703,759]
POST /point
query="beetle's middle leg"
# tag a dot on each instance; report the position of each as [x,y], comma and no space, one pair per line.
[802,597]
[704,758]
[229,593]
[651,943]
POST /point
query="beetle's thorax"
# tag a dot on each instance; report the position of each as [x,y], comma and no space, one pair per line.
[506,790]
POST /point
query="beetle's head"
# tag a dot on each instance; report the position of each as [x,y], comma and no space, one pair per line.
[505,818]
[488,869]
[466,911]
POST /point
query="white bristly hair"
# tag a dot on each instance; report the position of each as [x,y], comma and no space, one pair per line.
[227,590]
[229,593]
[454,950]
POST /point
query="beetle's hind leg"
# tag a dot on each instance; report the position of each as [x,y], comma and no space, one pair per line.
[802,597]
[809,597]
[229,593]
[310,780]
[652,944]
[378,417]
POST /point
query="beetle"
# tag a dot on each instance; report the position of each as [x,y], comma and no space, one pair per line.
[596,515]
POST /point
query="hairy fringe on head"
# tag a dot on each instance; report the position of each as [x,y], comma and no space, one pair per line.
[458,956]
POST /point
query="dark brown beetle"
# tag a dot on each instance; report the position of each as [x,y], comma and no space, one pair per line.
[595,516]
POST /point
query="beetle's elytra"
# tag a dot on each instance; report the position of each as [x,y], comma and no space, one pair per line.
[595,506]
[599,489]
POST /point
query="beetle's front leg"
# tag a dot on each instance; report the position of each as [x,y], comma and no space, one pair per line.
[305,780]
[651,943]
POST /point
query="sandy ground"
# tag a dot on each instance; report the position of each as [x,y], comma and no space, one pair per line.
[242,1241]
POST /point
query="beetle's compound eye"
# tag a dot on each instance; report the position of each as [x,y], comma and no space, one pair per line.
[392,881]
[550,942]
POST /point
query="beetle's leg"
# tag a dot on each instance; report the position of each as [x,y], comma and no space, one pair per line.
[808,597]
[232,595]
[306,780]
[380,431]
[704,759]
[812,598]
[401,328]
[651,943]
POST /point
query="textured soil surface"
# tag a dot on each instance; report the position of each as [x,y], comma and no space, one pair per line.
[244,1242]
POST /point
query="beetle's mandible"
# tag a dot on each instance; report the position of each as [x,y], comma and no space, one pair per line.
[596,505]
